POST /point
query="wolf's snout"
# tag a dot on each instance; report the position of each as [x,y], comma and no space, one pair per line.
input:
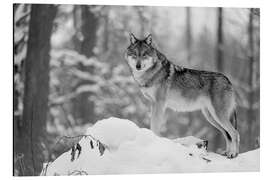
[138,66]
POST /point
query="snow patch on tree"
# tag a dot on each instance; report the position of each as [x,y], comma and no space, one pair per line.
[119,146]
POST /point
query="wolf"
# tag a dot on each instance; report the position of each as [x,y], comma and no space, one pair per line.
[167,85]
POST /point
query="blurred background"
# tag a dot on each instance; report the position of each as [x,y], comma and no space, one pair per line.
[69,70]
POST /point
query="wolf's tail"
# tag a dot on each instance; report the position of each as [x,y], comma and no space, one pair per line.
[233,119]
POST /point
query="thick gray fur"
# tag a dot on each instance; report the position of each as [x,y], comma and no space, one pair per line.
[182,89]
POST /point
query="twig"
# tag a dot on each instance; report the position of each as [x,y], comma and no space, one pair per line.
[207,160]
[78,137]
[19,158]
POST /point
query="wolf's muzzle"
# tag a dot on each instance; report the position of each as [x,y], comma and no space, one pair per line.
[138,66]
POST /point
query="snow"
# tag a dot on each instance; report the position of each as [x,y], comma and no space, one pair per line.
[130,150]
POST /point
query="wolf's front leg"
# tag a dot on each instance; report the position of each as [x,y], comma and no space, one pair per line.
[157,117]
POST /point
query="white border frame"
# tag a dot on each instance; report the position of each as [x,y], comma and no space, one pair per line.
[7,81]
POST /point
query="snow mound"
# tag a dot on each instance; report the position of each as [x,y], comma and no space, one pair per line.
[113,131]
[130,149]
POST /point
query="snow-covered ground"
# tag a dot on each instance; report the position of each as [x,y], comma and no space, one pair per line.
[130,149]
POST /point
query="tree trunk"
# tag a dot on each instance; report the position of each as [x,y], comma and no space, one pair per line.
[83,107]
[251,116]
[188,51]
[188,34]
[89,29]
[29,136]
[142,21]
[106,33]
[219,50]
[219,62]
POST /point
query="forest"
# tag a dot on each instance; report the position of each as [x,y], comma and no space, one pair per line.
[69,71]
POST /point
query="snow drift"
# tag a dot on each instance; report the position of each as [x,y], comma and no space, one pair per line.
[130,149]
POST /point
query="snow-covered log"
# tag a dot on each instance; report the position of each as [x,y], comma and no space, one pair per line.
[118,146]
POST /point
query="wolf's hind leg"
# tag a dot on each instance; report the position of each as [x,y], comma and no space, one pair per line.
[222,116]
[212,121]
[234,148]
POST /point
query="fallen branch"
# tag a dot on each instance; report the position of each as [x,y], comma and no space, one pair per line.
[73,144]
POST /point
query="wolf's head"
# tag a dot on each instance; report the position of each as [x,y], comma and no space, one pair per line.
[140,54]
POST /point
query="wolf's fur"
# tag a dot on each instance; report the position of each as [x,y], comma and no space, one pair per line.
[168,85]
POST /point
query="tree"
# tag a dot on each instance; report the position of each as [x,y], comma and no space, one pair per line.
[188,33]
[21,22]
[219,50]
[106,29]
[83,108]
[252,75]
[188,48]
[29,139]
[219,58]
[142,20]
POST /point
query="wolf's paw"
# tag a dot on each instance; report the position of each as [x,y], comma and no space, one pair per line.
[231,155]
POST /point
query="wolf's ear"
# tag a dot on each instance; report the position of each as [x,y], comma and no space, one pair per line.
[132,38]
[148,39]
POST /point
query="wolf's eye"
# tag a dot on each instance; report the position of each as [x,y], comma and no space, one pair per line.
[144,55]
[134,55]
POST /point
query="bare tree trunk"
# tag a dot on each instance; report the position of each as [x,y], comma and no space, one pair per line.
[142,21]
[252,75]
[84,108]
[29,136]
[106,33]
[188,50]
[188,33]
[219,61]
[89,28]
[219,54]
